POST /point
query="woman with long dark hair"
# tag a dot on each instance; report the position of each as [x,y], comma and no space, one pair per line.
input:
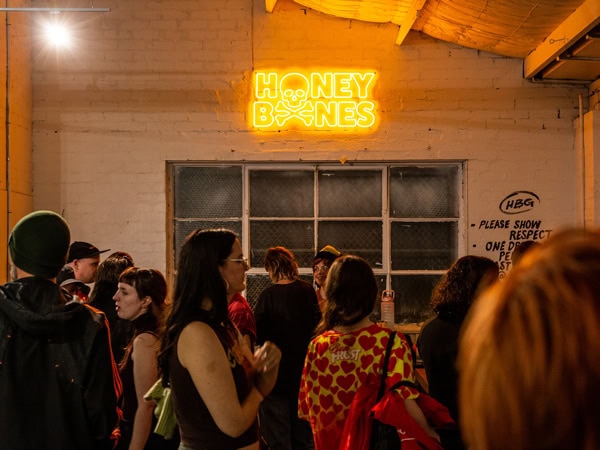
[216,383]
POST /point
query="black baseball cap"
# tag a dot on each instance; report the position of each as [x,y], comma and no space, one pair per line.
[81,250]
[66,277]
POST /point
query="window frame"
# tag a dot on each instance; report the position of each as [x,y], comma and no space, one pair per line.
[386,270]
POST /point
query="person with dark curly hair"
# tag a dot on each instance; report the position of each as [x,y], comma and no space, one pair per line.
[438,342]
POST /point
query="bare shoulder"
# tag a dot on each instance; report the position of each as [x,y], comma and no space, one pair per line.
[197,340]
[196,330]
[145,339]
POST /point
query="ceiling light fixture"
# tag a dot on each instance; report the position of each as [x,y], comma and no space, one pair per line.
[57,34]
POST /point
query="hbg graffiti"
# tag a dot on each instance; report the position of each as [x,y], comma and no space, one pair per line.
[519,202]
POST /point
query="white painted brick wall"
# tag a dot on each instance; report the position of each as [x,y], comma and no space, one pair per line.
[161,81]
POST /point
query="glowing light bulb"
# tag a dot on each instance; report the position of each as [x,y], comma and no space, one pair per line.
[58,35]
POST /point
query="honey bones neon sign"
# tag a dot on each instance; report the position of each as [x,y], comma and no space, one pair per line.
[313,101]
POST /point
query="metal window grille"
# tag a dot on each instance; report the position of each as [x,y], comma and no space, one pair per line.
[404,219]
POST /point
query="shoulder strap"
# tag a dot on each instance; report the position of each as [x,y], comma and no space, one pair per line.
[404,383]
[386,361]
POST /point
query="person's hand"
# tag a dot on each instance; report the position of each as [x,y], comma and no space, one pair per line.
[266,357]
[266,364]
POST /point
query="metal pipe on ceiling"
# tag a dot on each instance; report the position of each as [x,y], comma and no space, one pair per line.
[54,9]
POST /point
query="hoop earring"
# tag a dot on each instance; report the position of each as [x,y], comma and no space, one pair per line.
[226,285]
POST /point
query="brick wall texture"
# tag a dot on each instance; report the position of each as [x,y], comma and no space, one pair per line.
[157,81]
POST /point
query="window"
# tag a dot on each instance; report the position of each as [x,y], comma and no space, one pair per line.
[403,219]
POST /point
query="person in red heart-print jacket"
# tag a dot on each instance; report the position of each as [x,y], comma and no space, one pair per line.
[348,354]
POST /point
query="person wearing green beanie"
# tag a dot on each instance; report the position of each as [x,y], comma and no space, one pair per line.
[59,384]
[39,243]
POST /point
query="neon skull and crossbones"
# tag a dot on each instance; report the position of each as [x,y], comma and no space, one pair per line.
[294,100]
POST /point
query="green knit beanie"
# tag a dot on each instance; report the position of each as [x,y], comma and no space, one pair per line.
[39,243]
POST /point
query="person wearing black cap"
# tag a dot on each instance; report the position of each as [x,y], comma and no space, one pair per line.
[84,258]
[78,290]
[321,263]
[58,380]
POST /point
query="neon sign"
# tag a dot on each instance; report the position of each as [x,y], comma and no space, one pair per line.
[323,100]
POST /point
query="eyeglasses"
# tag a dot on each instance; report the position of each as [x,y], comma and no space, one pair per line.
[238,260]
[320,269]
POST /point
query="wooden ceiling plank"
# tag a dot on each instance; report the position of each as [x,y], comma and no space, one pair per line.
[270,5]
[586,17]
[409,20]
[571,70]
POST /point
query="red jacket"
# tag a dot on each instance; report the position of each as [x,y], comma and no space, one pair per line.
[391,410]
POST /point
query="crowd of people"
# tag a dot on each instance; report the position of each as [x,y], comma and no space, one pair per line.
[510,363]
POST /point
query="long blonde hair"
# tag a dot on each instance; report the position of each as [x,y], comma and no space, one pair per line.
[529,375]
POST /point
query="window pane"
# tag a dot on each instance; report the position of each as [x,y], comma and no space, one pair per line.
[208,192]
[423,245]
[356,238]
[184,228]
[419,192]
[350,193]
[281,193]
[255,284]
[413,294]
[296,236]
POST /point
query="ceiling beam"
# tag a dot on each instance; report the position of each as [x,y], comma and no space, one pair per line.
[586,17]
[409,20]
[270,5]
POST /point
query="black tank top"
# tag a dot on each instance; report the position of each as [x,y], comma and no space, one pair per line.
[146,323]
[198,429]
